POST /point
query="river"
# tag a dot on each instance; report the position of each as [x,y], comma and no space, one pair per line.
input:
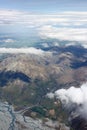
[11,120]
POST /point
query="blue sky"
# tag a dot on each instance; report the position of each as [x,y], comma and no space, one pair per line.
[44,6]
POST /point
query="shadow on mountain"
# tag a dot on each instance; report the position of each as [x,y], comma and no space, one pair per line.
[79,124]
[76,65]
[9,76]
[77,51]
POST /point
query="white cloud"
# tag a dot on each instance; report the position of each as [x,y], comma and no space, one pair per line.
[74,96]
[50,95]
[71,44]
[70,34]
[70,26]
[71,95]
[30,50]
[8,40]
[64,18]
[84,45]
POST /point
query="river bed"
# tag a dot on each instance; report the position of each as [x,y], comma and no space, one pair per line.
[11,120]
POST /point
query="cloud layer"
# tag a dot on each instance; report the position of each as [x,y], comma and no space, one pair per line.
[70,34]
[63,19]
[30,50]
[8,40]
[70,26]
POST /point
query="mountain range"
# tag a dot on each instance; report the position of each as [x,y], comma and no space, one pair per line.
[26,79]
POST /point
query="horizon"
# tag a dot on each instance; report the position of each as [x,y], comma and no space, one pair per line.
[26,22]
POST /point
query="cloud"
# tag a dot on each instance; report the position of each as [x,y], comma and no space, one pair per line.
[70,34]
[30,50]
[76,97]
[50,95]
[71,26]
[31,19]
[70,44]
[84,45]
[71,95]
[8,41]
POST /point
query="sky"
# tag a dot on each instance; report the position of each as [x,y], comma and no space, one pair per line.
[44,6]
[54,19]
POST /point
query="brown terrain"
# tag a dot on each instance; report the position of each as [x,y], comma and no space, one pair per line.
[25,79]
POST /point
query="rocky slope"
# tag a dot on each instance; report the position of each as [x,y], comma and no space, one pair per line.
[59,67]
[62,64]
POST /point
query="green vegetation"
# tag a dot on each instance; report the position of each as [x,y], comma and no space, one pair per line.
[41,112]
[28,94]
[34,94]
